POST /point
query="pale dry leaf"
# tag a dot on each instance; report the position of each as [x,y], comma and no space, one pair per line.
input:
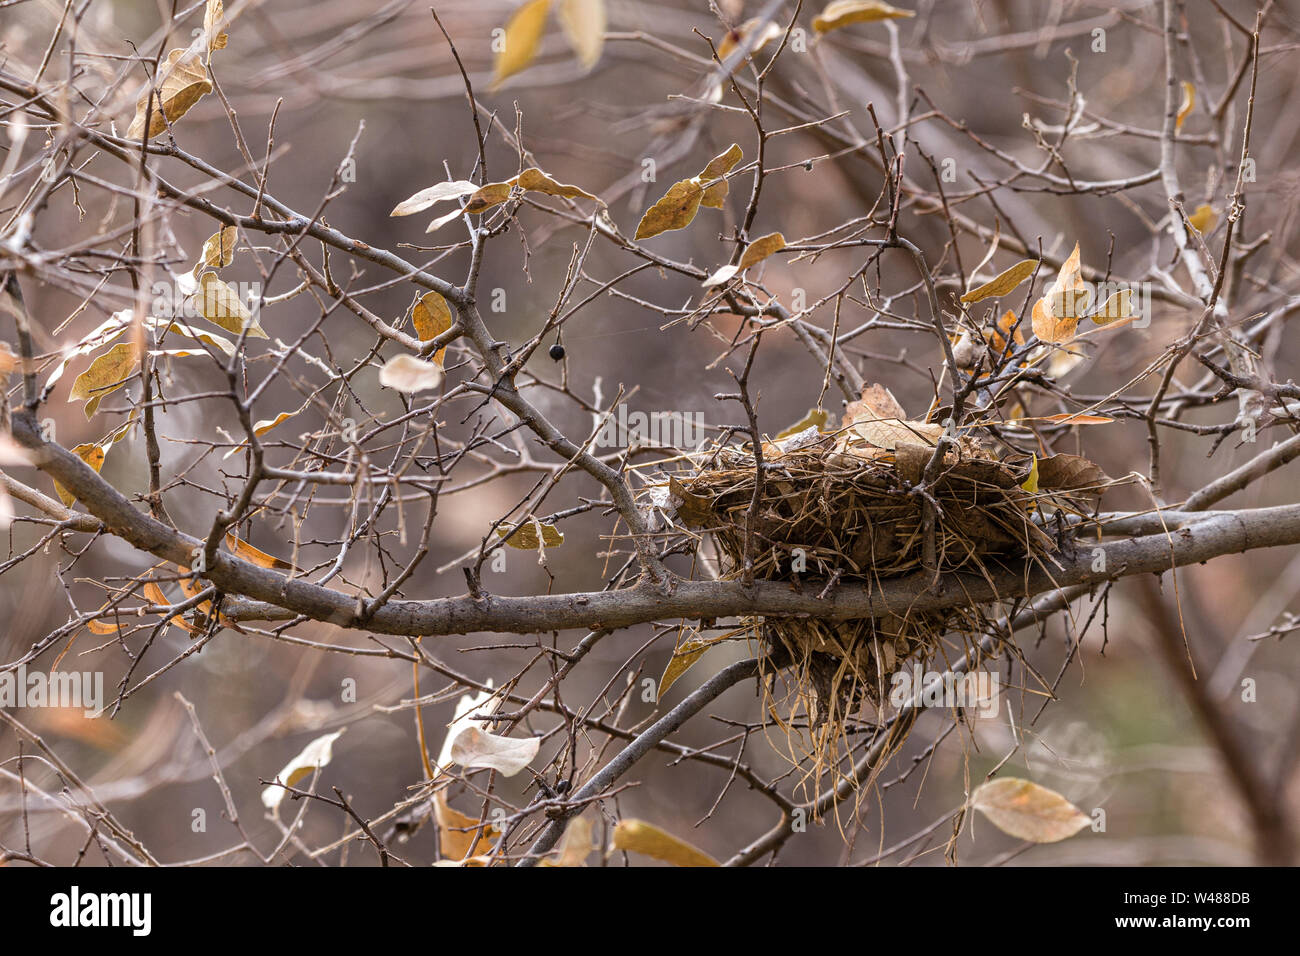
[576,845]
[841,13]
[439,192]
[220,304]
[739,36]
[93,454]
[522,38]
[218,250]
[1025,810]
[408,374]
[761,248]
[214,18]
[1056,315]
[1115,309]
[476,749]
[316,754]
[1188,104]
[724,275]
[106,375]
[534,180]
[524,536]
[876,402]
[487,196]
[458,834]
[889,432]
[583,22]
[716,192]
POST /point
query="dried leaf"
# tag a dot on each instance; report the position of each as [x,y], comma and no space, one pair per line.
[724,275]
[252,555]
[431,317]
[1006,326]
[219,303]
[675,211]
[1204,219]
[439,192]
[262,426]
[637,836]
[106,375]
[876,402]
[761,248]
[318,753]
[1004,283]
[524,535]
[93,454]
[717,168]
[737,37]
[218,250]
[584,26]
[182,81]
[1117,308]
[1077,418]
[476,749]
[1070,473]
[408,374]
[1027,811]
[844,12]
[536,181]
[457,833]
[214,18]
[1056,315]
[219,342]
[1030,484]
[683,659]
[493,194]
[522,38]
[887,433]
[1189,104]
[576,845]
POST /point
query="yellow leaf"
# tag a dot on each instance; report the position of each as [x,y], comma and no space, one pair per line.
[1025,810]
[674,211]
[457,832]
[106,374]
[761,248]
[488,196]
[717,168]
[96,626]
[209,338]
[584,25]
[253,556]
[522,37]
[1030,484]
[432,317]
[219,304]
[1203,219]
[1189,103]
[524,536]
[683,659]
[534,180]
[1004,283]
[93,454]
[843,12]
[182,81]
[1056,315]
[219,249]
[637,836]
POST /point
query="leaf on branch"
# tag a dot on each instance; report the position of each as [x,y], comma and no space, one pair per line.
[1056,315]
[683,659]
[440,192]
[200,335]
[584,26]
[219,303]
[717,168]
[252,555]
[316,754]
[431,317]
[486,197]
[844,12]
[106,375]
[536,181]
[1070,473]
[522,37]
[737,37]
[674,211]
[1075,418]
[1204,219]
[1005,326]
[476,749]
[576,845]
[262,426]
[93,454]
[637,836]
[1025,810]
[1004,283]
[1117,308]
[524,535]
[218,250]
[214,18]
[457,833]
[408,374]
[182,82]
[1188,104]
[761,248]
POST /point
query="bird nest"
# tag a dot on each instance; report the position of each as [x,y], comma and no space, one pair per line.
[867,503]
